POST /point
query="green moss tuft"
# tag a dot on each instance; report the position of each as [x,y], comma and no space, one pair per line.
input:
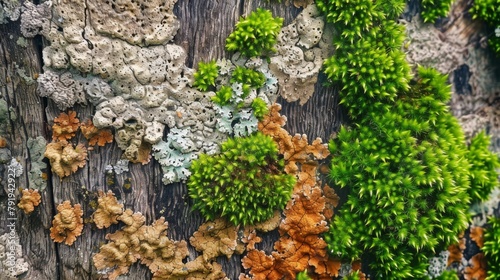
[489,11]
[205,77]
[244,183]
[491,248]
[256,34]
[434,9]
[448,275]
[483,175]
[259,108]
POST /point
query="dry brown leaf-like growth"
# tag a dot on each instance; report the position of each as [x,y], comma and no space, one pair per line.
[300,246]
[216,238]
[151,246]
[108,210]
[29,200]
[477,269]
[64,158]
[94,135]
[456,251]
[67,224]
[65,126]
[296,149]
[476,234]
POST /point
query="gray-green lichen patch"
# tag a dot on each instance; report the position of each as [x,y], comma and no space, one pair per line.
[302,47]
[36,148]
[4,117]
[22,73]
[9,10]
[22,42]
[12,263]
[438,264]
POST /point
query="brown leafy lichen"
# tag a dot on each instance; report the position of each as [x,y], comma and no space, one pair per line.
[65,126]
[67,224]
[300,246]
[94,135]
[29,200]
[64,158]
[108,210]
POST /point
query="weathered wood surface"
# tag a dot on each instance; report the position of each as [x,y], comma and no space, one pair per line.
[204,27]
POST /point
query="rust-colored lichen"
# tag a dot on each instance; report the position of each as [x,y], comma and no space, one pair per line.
[108,210]
[67,224]
[65,126]
[456,251]
[300,246]
[476,234]
[29,200]
[477,268]
[94,135]
[64,158]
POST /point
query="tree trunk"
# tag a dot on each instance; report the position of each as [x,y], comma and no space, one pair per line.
[204,27]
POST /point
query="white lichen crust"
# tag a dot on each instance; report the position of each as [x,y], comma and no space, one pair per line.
[302,48]
[12,262]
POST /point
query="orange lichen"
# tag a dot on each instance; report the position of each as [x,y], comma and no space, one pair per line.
[108,210]
[331,200]
[198,269]
[67,224]
[456,251]
[94,135]
[3,142]
[64,158]
[140,153]
[216,238]
[476,234]
[65,126]
[250,238]
[29,200]
[477,269]
[294,149]
[300,246]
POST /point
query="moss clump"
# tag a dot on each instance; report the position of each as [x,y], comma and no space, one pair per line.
[205,77]
[244,183]
[434,9]
[489,11]
[256,34]
[491,248]
[368,62]
[483,175]
[223,96]
[259,108]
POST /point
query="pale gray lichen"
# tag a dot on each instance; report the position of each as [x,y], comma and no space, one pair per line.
[15,167]
[121,166]
[9,9]
[482,210]
[438,264]
[302,47]
[36,148]
[12,263]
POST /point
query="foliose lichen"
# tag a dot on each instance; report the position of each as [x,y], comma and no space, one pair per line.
[36,175]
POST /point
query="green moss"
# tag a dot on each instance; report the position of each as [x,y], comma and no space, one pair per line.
[491,248]
[249,78]
[302,276]
[205,77]
[352,276]
[434,9]
[483,175]
[489,11]
[244,183]
[223,96]
[256,34]
[448,275]
[259,108]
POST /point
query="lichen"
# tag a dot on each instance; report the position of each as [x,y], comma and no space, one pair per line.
[64,158]
[16,168]
[94,135]
[29,200]
[10,9]
[65,126]
[67,225]
[108,210]
[301,48]
[36,175]
[12,263]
